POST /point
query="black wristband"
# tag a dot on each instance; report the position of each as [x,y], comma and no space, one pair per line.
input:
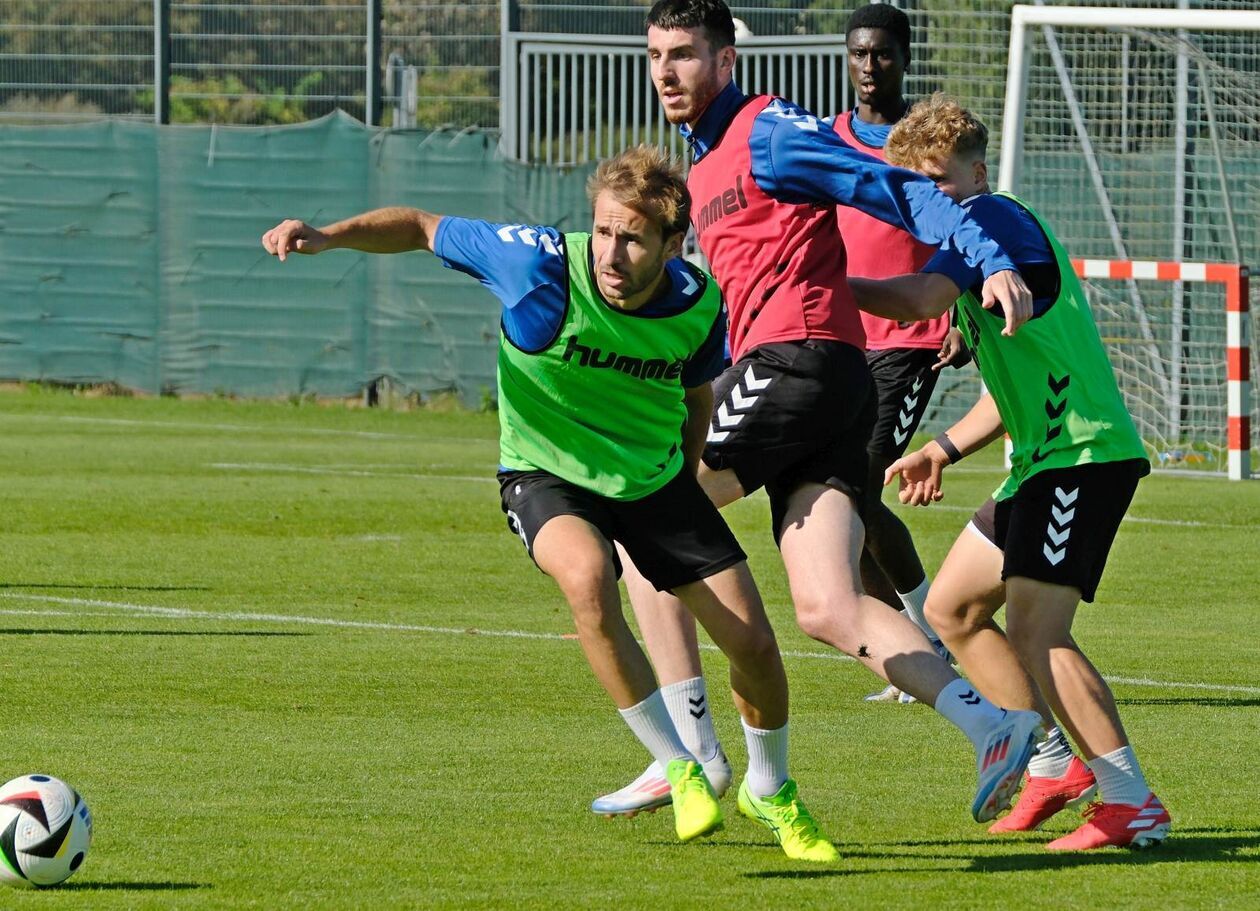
[951,451]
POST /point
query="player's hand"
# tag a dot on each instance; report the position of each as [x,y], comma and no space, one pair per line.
[953,352]
[1006,289]
[293,236]
[920,477]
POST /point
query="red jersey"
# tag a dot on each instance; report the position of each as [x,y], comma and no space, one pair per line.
[876,249]
[781,266]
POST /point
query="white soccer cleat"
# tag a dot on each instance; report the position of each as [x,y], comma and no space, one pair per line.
[650,791]
[1002,759]
[890,694]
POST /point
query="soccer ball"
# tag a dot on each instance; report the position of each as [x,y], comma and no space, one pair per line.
[45,830]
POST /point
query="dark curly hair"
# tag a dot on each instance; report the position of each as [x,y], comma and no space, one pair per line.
[881,15]
[713,16]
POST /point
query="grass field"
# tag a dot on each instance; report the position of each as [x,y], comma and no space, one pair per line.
[293,659]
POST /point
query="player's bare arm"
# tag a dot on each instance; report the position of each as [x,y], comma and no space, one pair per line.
[699,402]
[925,295]
[920,296]
[921,471]
[396,229]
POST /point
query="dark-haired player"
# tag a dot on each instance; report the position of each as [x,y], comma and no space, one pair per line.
[795,408]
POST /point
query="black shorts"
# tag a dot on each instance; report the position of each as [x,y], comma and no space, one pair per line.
[674,536]
[1060,524]
[904,380]
[789,413]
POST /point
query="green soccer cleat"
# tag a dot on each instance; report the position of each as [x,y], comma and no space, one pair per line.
[785,816]
[696,810]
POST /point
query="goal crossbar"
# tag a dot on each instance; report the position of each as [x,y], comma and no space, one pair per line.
[1023,16]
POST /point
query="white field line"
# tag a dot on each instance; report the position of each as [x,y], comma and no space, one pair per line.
[1142,520]
[243,428]
[179,613]
[346,473]
[354,473]
[365,434]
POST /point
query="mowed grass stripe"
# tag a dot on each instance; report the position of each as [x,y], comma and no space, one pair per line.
[143,610]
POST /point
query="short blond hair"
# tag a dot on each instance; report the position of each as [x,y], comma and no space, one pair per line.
[649,181]
[935,130]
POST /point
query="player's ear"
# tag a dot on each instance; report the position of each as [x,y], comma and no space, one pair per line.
[726,59]
[674,243]
[980,172]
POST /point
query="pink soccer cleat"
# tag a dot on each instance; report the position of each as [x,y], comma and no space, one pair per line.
[1118,825]
[1043,797]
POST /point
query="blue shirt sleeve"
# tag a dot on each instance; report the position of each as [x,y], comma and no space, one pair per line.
[1019,234]
[710,358]
[524,265]
[798,159]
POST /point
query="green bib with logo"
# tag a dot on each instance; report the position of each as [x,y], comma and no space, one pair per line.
[602,405]
[1052,381]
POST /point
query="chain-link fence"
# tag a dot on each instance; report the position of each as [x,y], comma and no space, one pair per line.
[283,61]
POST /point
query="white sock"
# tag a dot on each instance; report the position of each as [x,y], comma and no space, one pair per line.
[1052,756]
[688,705]
[914,602]
[650,722]
[1120,778]
[767,759]
[971,713]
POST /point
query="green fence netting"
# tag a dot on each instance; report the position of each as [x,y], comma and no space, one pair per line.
[130,254]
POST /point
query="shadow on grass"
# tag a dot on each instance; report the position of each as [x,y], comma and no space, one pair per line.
[143,632]
[121,588]
[122,886]
[1027,852]
[843,867]
[1208,701]
[1190,845]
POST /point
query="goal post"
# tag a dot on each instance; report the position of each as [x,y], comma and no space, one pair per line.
[1136,132]
[1195,447]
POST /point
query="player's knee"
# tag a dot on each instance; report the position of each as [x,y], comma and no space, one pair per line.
[817,617]
[1030,635]
[594,615]
[755,648]
[953,620]
[586,584]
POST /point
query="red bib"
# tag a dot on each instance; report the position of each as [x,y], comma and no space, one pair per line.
[878,250]
[781,267]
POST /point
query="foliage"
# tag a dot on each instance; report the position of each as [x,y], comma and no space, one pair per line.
[229,100]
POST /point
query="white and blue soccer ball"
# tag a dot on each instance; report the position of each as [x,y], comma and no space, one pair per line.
[45,831]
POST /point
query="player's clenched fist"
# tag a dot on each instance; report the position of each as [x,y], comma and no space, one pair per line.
[292,236]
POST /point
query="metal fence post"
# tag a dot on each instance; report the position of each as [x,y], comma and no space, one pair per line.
[373,106]
[161,61]
[509,25]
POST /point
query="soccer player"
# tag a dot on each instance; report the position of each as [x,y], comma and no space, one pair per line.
[905,357]
[1041,543]
[608,345]
[794,410]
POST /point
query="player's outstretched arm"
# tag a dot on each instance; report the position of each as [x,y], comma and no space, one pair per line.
[922,295]
[920,472]
[396,229]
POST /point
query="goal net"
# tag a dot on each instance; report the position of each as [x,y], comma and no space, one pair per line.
[1136,132]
